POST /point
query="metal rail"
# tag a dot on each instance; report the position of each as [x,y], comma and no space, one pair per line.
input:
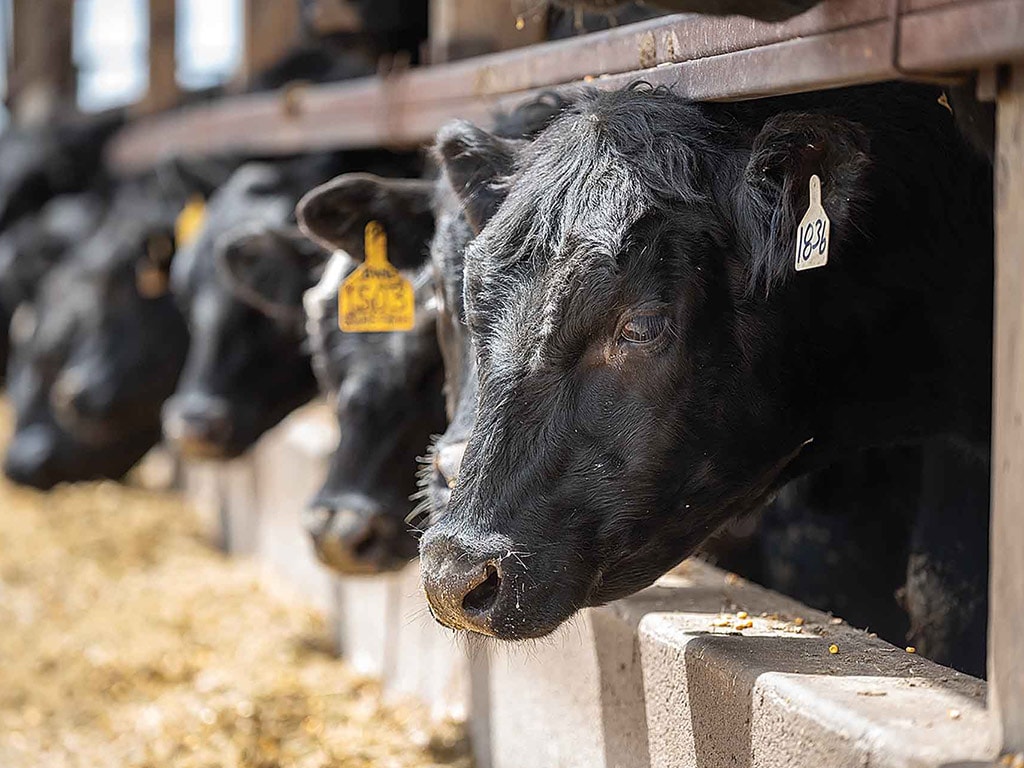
[837,43]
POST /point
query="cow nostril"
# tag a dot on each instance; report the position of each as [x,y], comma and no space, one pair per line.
[482,597]
[366,541]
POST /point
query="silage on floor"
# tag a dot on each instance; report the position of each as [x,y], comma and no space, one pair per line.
[126,641]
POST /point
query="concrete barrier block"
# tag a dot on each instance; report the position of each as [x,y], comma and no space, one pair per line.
[225,495]
[573,699]
[362,620]
[290,463]
[423,659]
[240,508]
[795,688]
[201,485]
[385,630]
[381,623]
[707,670]
[702,669]
[542,700]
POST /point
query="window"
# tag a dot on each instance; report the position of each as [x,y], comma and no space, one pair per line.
[110,45]
[209,44]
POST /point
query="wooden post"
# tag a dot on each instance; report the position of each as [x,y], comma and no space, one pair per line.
[42,78]
[1006,625]
[163,80]
[463,28]
[272,27]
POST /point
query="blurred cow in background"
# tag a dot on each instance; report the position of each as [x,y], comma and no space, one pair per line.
[247,368]
[385,387]
[100,346]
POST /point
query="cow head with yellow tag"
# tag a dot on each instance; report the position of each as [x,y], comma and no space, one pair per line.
[247,367]
[385,384]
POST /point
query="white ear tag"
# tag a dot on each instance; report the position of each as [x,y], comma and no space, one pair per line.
[812,234]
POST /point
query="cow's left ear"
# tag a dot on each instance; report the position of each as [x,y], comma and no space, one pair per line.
[791,148]
[270,268]
[477,165]
[335,214]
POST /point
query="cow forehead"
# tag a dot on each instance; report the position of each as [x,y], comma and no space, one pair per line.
[552,247]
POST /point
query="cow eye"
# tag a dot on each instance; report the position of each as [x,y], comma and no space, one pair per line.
[643,329]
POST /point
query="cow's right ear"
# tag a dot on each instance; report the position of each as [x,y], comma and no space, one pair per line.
[477,165]
[269,268]
[335,215]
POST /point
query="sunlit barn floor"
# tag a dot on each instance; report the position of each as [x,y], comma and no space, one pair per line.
[126,641]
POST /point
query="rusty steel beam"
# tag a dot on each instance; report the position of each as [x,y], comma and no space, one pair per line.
[961,36]
[840,42]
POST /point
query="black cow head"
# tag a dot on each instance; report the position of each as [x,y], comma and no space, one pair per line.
[101,345]
[385,387]
[648,363]
[246,368]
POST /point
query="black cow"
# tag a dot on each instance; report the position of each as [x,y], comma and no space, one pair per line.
[818,542]
[247,368]
[649,363]
[245,371]
[100,348]
[385,387]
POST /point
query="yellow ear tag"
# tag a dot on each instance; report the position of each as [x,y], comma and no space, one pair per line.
[375,297]
[190,220]
[812,234]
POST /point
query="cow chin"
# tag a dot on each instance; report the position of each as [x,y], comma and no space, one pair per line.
[510,594]
[88,430]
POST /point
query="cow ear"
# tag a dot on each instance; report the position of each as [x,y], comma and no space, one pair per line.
[791,148]
[335,214]
[270,268]
[477,165]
